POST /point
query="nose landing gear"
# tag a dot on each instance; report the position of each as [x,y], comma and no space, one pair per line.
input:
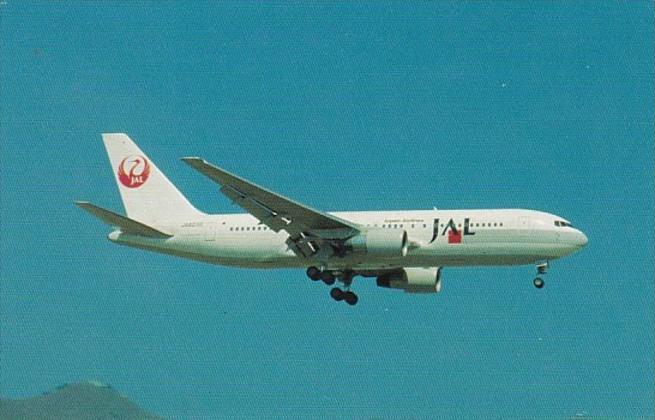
[541,270]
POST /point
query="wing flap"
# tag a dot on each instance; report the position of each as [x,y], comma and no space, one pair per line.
[125,224]
[301,245]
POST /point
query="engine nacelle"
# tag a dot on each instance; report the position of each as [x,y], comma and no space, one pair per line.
[413,280]
[380,242]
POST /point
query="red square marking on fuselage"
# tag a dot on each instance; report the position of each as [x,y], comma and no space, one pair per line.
[454,237]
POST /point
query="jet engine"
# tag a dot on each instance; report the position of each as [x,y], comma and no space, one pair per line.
[380,242]
[413,280]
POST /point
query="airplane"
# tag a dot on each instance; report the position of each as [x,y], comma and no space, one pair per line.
[403,250]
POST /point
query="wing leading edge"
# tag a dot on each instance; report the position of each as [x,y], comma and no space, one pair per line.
[308,228]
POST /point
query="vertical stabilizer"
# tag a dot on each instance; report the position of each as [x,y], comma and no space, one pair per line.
[148,196]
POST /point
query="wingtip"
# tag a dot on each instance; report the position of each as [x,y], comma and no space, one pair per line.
[192,159]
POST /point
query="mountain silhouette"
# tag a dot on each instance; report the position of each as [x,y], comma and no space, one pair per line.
[87,400]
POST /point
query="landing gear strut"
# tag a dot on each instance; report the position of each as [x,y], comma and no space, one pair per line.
[347,279]
[541,270]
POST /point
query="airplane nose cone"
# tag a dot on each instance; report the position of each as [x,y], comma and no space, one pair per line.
[581,239]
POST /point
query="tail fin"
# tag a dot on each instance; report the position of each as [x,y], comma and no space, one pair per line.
[148,196]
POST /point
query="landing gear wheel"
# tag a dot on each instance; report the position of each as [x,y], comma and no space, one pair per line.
[538,282]
[314,273]
[328,278]
[350,298]
[337,294]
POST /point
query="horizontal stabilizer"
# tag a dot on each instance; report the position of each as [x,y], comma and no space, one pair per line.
[125,224]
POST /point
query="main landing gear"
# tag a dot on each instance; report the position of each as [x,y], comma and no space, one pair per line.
[330,277]
[541,270]
[315,274]
[349,297]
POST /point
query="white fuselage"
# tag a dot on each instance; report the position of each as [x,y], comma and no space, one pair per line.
[480,237]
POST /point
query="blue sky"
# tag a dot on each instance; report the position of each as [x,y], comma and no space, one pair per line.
[543,105]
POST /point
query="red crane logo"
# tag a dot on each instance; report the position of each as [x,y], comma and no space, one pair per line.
[133,171]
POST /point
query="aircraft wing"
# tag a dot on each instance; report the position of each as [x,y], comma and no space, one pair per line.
[308,228]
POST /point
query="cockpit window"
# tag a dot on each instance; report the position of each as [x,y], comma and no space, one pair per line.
[562,223]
